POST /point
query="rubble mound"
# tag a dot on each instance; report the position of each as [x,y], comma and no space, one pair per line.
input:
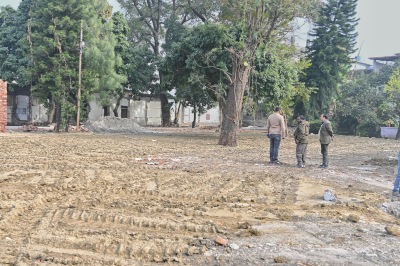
[115,125]
[392,208]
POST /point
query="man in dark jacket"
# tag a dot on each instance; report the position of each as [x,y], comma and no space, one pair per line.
[325,137]
[301,139]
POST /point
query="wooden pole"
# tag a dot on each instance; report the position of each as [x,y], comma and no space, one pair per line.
[80,81]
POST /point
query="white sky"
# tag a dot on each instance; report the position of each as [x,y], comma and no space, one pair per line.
[379,20]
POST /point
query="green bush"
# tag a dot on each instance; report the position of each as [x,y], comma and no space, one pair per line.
[315,125]
[347,125]
[368,128]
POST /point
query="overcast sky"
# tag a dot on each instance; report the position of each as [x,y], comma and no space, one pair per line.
[377,26]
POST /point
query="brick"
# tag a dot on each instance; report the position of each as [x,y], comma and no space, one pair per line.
[393,230]
[221,241]
[3,105]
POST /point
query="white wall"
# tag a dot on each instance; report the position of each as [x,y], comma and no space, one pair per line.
[153,113]
[39,112]
[211,117]
[144,111]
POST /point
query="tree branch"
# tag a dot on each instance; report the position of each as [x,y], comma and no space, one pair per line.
[198,14]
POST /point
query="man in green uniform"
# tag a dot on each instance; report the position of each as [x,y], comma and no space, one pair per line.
[301,139]
[325,137]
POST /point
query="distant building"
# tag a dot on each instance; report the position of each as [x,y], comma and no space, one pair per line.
[146,110]
[23,108]
[379,62]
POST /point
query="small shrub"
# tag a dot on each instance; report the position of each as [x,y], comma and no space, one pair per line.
[369,128]
[315,125]
[347,125]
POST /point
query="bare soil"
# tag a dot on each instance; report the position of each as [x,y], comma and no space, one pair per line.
[113,199]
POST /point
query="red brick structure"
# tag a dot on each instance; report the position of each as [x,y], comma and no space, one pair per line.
[3,106]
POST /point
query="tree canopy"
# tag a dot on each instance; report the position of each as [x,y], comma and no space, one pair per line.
[237,54]
[15,59]
[332,43]
[55,30]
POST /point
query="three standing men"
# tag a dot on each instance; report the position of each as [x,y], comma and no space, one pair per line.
[276,132]
[325,137]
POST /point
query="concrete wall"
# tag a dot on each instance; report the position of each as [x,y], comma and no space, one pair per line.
[146,111]
[377,65]
[153,113]
[39,112]
[3,105]
[21,110]
[138,112]
[211,117]
[388,132]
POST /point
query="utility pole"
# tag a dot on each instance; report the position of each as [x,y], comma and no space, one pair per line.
[81,45]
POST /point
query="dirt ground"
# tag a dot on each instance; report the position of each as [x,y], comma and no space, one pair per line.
[165,197]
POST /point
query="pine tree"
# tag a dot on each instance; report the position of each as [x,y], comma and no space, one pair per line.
[55,49]
[333,42]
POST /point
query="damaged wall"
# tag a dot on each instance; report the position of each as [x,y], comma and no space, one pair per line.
[146,111]
[3,105]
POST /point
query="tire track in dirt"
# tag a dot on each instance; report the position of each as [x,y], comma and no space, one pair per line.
[87,200]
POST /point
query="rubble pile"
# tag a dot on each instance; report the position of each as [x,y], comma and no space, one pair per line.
[29,127]
[115,125]
[392,208]
[82,128]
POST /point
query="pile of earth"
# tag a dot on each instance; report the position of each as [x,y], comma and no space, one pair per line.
[114,125]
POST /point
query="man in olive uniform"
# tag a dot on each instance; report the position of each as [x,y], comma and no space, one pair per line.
[301,139]
[325,137]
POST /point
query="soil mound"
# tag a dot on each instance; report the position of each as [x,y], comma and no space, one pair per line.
[115,125]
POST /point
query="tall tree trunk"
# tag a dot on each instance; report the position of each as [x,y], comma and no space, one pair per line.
[221,105]
[233,106]
[194,117]
[165,110]
[398,133]
[115,110]
[58,116]
[165,106]
[67,125]
[177,113]
[52,112]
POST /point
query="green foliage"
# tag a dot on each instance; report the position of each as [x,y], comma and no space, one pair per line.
[196,65]
[275,79]
[362,103]
[140,66]
[147,21]
[15,61]
[55,51]
[368,128]
[138,61]
[333,42]
[315,125]
[392,90]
